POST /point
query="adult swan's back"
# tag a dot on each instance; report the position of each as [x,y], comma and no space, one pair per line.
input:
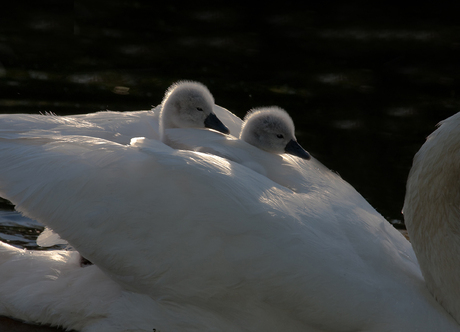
[204,244]
[432,213]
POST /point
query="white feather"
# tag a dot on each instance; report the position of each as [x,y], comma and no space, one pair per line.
[196,242]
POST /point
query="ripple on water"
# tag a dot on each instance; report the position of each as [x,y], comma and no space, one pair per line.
[18,230]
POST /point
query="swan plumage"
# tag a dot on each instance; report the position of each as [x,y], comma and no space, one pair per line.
[266,144]
[189,104]
[198,242]
[51,280]
[51,288]
[271,129]
[431,212]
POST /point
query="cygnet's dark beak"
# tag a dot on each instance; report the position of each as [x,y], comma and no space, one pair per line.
[295,149]
[213,122]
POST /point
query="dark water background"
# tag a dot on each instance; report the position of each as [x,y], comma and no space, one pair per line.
[365,82]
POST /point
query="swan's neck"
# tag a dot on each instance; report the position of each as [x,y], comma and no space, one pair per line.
[432,215]
[165,121]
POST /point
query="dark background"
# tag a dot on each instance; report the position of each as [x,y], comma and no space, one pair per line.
[364,81]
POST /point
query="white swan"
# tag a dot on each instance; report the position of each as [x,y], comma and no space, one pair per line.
[193,242]
[431,213]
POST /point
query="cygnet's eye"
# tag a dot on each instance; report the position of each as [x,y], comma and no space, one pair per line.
[199,109]
[280,136]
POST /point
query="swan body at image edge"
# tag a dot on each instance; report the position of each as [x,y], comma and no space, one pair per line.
[253,254]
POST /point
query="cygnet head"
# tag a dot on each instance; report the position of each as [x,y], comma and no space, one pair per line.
[271,129]
[189,104]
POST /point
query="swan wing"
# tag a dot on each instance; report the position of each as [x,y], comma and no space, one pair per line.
[234,149]
[48,238]
[126,124]
[233,122]
[297,174]
[50,287]
[201,234]
[118,127]
[79,186]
